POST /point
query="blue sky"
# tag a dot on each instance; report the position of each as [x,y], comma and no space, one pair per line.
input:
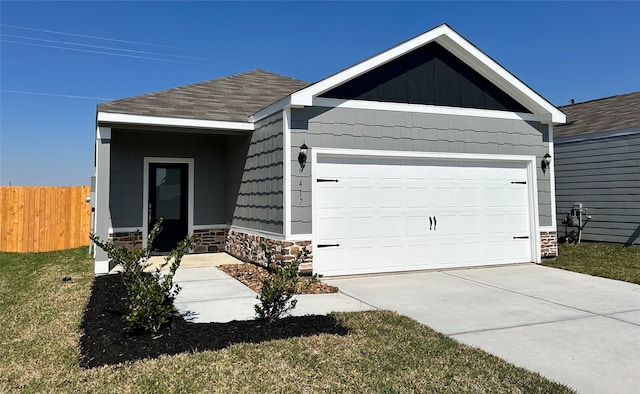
[563,50]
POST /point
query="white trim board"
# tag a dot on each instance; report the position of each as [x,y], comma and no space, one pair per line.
[260,233]
[108,117]
[421,108]
[286,184]
[114,230]
[210,227]
[145,192]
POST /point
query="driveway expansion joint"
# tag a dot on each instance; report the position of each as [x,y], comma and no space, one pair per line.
[531,296]
[591,316]
[360,300]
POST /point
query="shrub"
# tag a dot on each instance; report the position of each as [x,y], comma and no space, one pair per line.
[151,294]
[279,287]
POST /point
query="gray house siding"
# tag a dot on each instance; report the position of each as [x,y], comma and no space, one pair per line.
[413,132]
[259,204]
[604,175]
[130,147]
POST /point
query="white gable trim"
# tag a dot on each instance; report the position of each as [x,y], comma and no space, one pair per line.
[108,117]
[420,108]
[461,48]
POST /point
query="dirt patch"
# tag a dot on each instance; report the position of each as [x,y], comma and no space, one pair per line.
[105,339]
[252,275]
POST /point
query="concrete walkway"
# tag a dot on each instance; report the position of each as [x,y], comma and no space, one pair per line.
[579,330]
[210,295]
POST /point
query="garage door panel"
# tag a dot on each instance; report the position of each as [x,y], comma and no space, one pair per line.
[417,226]
[331,227]
[387,203]
[391,258]
[333,197]
[470,251]
[390,197]
[360,227]
[417,197]
[360,197]
[468,197]
[469,225]
[391,227]
[359,258]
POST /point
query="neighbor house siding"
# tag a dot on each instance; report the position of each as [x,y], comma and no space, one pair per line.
[128,150]
[259,203]
[604,175]
[413,132]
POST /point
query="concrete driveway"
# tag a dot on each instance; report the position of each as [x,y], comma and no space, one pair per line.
[579,330]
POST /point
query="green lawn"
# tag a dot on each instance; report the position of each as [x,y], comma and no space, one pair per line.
[385,352]
[599,259]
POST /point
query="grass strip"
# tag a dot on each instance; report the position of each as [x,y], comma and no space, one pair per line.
[611,261]
[41,315]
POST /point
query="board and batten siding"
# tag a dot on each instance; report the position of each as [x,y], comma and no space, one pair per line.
[130,147]
[604,175]
[259,204]
[411,132]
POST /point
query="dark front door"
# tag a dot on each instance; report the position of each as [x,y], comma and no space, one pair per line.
[168,200]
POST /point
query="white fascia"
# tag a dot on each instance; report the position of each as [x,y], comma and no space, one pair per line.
[273,108]
[459,46]
[107,117]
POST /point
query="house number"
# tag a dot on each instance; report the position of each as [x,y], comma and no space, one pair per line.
[301,199]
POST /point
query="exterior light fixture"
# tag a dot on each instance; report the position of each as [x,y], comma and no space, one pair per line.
[546,162]
[302,156]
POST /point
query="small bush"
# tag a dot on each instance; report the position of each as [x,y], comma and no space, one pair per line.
[280,286]
[151,294]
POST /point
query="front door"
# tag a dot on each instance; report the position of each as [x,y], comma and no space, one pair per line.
[168,201]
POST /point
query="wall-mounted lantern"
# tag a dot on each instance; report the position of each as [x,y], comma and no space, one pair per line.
[546,162]
[302,156]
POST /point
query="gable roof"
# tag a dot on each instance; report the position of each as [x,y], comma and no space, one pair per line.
[231,99]
[605,114]
[458,46]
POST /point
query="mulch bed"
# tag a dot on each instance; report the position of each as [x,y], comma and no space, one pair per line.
[105,339]
[252,275]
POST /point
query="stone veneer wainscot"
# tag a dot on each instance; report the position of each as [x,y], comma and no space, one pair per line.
[246,247]
[548,244]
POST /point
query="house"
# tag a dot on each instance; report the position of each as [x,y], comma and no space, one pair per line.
[427,155]
[597,162]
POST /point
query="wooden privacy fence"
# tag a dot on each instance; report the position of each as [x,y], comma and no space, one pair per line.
[42,219]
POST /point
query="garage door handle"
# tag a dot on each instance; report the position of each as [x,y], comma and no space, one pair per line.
[327,245]
[523,237]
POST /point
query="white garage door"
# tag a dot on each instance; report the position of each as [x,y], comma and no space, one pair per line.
[382,215]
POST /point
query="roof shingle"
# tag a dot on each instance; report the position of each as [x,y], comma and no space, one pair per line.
[605,114]
[233,98]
